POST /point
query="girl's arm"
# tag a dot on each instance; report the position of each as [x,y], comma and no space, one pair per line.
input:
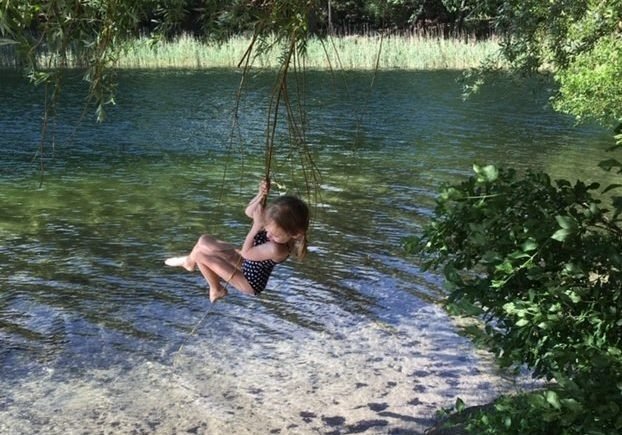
[258,200]
[266,251]
[253,204]
[257,217]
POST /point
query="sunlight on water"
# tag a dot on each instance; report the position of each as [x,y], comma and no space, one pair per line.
[98,335]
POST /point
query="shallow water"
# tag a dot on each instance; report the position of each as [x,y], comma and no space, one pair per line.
[98,337]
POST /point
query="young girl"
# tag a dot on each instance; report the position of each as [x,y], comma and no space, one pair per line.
[277,230]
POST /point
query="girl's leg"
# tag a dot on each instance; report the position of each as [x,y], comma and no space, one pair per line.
[216,291]
[206,245]
[226,266]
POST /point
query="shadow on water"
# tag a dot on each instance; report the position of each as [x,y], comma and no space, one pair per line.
[349,340]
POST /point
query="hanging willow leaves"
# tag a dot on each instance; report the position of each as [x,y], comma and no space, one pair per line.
[91,34]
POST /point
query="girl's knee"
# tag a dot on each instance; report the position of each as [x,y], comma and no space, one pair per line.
[204,240]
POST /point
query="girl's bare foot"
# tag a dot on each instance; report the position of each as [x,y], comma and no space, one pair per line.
[189,265]
[180,262]
[216,293]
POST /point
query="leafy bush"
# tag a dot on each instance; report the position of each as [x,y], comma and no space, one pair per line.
[542,262]
[590,86]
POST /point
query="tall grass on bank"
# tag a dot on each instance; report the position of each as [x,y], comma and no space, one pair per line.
[409,52]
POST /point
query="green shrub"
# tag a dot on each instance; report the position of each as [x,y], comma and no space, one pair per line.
[542,263]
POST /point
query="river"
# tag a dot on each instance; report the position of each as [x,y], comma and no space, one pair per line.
[98,336]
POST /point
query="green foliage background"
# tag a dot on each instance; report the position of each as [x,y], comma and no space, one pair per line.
[541,262]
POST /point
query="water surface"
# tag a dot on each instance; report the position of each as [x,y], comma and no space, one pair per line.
[98,336]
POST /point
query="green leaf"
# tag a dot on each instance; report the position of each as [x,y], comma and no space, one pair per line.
[517,255]
[507,422]
[451,274]
[543,325]
[560,235]
[573,269]
[505,267]
[522,322]
[510,307]
[497,283]
[460,406]
[566,222]
[572,404]
[4,41]
[574,297]
[488,173]
[450,194]
[411,245]
[529,245]
[614,351]
[553,399]
[491,257]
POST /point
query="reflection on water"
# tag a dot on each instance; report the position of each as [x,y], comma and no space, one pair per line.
[95,332]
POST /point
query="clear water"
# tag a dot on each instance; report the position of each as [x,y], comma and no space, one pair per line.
[98,337]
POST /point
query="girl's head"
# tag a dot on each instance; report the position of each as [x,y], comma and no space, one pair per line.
[290,216]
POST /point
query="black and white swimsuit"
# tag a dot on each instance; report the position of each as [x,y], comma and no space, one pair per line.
[258,272]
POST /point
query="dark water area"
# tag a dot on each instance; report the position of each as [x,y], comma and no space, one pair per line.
[96,333]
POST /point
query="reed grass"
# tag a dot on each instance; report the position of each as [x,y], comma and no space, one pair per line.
[409,52]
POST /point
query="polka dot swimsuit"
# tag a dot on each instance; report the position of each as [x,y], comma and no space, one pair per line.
[258,272]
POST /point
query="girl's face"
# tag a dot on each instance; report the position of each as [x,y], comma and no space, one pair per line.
[277,234]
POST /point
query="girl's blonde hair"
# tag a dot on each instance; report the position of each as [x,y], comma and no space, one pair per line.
[292,215]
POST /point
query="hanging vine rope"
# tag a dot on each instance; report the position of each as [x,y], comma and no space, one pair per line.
[283,25]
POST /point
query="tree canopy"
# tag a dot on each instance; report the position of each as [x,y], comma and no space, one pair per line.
[579,41]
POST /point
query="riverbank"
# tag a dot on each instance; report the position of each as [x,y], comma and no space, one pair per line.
[409,52]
